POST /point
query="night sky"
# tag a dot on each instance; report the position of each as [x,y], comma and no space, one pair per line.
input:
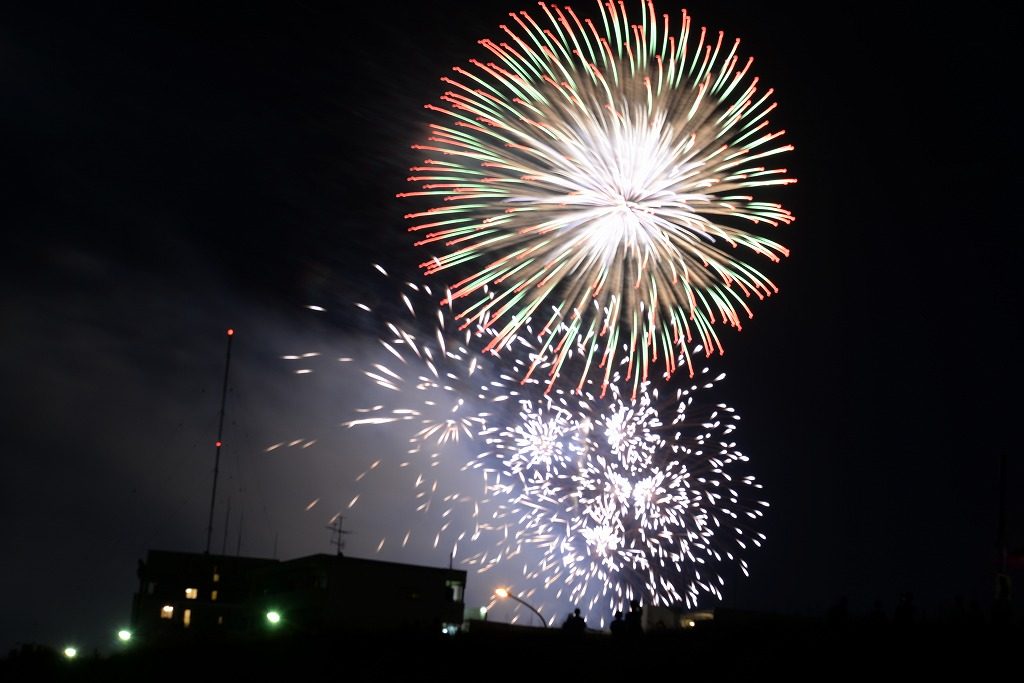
[175,170]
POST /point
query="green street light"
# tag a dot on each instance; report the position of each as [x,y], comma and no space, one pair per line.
[70,652]
[274,617]
[124,635]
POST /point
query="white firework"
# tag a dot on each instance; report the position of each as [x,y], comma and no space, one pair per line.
[637,507]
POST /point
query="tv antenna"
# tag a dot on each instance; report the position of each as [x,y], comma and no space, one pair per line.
[338,533]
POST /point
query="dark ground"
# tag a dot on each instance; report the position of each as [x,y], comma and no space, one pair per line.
[776,648]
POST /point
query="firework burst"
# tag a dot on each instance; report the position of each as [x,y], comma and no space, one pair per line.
[599,177]
[626,498]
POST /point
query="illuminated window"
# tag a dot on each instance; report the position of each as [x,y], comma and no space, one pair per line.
[220,620]
[213,595]
[167,612]
[457,589]
[216,575]
[191,593]
[187,618]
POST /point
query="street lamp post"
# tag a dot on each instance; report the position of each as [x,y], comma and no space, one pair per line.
[505,593]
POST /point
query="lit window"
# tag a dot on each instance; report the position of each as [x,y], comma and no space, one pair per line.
[213,595]
[220,620]
[457,588]
[191,593]
[187,618]
[216,576]
[167,612]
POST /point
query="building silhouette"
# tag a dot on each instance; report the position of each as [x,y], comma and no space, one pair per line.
[194,596]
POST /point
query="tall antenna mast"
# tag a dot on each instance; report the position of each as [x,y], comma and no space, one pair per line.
[241,523]
[220,433]
[1001,529]
[227,525]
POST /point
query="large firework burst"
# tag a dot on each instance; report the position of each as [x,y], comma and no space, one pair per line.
[627,499]
[606,170]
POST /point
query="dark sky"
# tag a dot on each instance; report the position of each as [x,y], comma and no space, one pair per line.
[176,169]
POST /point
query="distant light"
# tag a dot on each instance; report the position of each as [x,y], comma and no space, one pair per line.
[231,332]
[70,652]
[320,309]
[274,617]
[483,612]
[218,444]
[691,623]
[501,592]
[124,635]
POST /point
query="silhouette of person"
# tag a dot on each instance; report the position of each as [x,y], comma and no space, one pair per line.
[575,624]
[634,620]
[618,626]
[904,613]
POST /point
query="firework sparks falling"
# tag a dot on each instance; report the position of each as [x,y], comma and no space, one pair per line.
[600,499]
[434,376]
[647,500]
[599,176]
[440,388]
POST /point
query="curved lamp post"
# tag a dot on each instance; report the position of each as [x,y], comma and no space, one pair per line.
[505,593]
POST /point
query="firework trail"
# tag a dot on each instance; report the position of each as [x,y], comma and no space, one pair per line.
[598,177]
[626,498]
